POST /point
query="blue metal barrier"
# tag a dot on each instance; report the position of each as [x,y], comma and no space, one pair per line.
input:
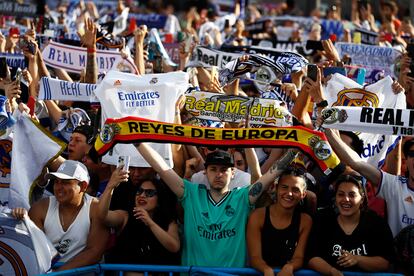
[98,269]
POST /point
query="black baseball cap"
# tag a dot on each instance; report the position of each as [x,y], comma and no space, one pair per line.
[219,158]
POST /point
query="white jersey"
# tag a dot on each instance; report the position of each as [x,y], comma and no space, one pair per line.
[240,179]
[73,241]
[150,96]
[400,201]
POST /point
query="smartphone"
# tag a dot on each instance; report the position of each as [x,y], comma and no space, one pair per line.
[123,162]
[314,45]
[332,70]
[3,67]
[18,76]
[313,72]
[25,44]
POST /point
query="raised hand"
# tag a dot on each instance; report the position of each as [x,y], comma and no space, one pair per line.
[89,37]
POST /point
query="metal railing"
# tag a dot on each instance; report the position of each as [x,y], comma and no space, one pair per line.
[99,269]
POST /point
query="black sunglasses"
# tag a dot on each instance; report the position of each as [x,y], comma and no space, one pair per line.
[147,192]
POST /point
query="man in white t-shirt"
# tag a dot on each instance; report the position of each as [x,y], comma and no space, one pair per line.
[398,191]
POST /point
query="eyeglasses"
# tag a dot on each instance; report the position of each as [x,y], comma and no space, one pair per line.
[147,192]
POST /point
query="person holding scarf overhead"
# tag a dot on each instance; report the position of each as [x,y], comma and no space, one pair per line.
[277,234]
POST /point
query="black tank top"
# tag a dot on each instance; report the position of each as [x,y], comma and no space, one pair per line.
[278,245]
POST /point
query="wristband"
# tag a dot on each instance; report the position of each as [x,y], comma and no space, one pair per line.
[322,104]
[91,50]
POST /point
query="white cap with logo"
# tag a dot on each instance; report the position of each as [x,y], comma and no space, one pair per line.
[70,170]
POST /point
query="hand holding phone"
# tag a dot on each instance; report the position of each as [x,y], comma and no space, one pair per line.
[312,72]
[123,162]
[25,44]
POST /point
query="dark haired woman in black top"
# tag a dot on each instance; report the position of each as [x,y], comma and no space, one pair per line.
[277,234]
[352,239]
[148,230]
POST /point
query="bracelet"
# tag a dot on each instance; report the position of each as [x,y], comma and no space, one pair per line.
[91,50]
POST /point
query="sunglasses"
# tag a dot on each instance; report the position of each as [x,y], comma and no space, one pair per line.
[147,192]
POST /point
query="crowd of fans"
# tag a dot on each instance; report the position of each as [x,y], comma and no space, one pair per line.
[221,207]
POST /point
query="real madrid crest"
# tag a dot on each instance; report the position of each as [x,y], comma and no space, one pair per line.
[153,80]
[108,132]
[333,115]
[320,148]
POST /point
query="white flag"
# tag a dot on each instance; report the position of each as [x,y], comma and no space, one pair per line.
[33,149]
[342,91]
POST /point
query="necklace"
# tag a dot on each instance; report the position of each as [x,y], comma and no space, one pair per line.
[348,228]
[73,216]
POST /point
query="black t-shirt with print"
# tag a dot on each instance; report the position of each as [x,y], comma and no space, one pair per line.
[372,237]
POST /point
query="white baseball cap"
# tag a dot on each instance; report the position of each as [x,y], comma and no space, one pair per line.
[70,169]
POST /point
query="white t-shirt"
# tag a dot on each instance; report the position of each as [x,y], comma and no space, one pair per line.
[400,201]
[240,179]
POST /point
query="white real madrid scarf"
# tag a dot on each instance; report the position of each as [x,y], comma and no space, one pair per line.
[53,89]
[342,91]
[73,59]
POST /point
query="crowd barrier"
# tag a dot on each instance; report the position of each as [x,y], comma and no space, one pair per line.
[99,269]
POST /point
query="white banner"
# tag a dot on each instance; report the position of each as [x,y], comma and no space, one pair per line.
[73,59]
[54,89]
[388,121]
[342,91]
[207,57]
[150,96]
[33,148]
[220,107]
[372,58]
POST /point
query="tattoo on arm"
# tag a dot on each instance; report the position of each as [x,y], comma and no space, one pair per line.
[91,75]
[256,189]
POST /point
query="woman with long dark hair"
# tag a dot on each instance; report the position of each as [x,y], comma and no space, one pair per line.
[148,233]
[352,238]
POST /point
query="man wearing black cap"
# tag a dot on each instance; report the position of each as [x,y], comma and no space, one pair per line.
[396,190]
[214,220]
[69,218]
